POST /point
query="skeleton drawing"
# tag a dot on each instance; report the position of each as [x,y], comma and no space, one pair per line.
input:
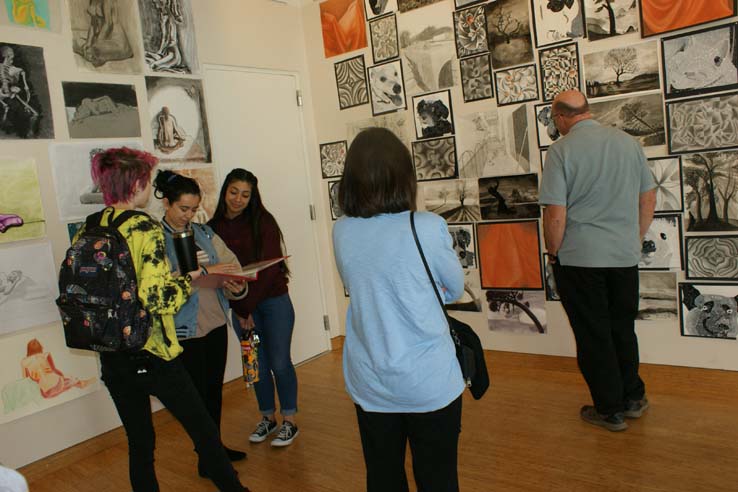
[14,86]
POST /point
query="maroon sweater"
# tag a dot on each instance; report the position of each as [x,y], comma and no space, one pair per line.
[237,235]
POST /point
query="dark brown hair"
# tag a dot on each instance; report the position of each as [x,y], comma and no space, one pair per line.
[378,176]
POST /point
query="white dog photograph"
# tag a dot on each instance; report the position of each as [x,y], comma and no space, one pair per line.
[661,248]
[386,87]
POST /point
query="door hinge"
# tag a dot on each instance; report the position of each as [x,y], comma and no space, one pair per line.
[312,212]
[326,323]
[299,98]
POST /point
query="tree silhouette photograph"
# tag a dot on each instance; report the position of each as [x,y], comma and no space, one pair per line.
[711,191]
[639,116]
[455,201]
[624,70]
[508,33]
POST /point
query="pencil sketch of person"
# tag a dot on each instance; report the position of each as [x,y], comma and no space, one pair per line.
[169,136]
[168,57]
[39,366]
[106,40]
[24,14]
[19,116]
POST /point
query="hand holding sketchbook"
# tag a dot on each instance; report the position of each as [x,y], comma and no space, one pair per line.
[249,273]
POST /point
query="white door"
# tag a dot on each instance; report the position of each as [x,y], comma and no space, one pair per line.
[255,124]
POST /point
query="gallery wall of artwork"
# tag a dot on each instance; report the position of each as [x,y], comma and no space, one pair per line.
[490,70]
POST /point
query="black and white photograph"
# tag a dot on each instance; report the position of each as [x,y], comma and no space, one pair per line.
[712,257]
[470,27]
[383,34]
[476,78]
[428,49]
[435,158]
[661,248]
[709,310]
[667,173]
[700,61]
[456,201]
[179,122]
[623,70]
[169,36]
[105,36]
[24,97]
[464,244]
[657,296]
[351,82]
[376,8]
[483,149]
[97,110]
[433,115]
[509,33]
[521,312]
[711,191]
[700,124]
[386,87]
[640,116]
[509,197]
[545,128]
[471,299]
[516,85]
[557,21]
[559,70]
[336,212]
[332,158]
[552,292]
[608,18]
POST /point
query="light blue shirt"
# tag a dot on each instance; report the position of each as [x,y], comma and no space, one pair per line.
[398,356]
[598,173]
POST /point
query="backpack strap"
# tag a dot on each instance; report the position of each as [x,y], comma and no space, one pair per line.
[124,216]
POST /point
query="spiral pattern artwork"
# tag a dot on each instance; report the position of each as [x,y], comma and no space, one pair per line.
[712,257]
[476,78]
[435,159]
[351,82]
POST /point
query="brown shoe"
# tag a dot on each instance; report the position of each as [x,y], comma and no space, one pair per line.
[614,423]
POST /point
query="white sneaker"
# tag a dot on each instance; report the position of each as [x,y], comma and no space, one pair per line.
[287,433]
[263,429]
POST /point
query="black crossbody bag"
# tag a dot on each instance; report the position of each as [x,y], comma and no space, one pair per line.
[469,350]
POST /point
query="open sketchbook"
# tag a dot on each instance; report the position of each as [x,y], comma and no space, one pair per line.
[249,273]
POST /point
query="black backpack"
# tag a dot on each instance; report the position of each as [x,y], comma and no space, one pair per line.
[98,299]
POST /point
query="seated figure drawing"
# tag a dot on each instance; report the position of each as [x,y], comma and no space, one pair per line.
[168,56]
[39,366]
[105,39]
[169,136]
[24,13]
[18,114]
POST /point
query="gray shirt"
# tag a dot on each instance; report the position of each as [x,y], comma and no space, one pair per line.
[598,174]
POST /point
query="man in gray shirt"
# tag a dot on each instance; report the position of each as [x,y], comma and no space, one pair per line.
[599,199]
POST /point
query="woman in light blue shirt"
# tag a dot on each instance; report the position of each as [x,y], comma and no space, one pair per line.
[400,365]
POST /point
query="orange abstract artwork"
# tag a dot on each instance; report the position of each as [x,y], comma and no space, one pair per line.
[660,16]
[510,255]
[344,28]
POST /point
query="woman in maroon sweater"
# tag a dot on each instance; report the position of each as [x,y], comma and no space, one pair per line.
[252,233]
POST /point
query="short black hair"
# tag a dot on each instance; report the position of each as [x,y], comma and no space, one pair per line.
[378,177]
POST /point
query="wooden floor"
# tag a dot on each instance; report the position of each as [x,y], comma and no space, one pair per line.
[525,435]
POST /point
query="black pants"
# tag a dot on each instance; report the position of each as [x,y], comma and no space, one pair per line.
[434,439]
[130,379]
[205,360]
[602,304]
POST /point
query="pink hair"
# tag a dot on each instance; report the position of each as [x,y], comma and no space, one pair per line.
[118,172]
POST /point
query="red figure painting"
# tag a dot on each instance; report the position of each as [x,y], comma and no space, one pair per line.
[510,255]
[344,28]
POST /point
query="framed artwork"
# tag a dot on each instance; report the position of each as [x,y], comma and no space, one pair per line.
[376,8]
[708,310]
[97,110]
[476,78]
[509,197]
[456,201]
[700,61]
[624,70]
[545,128]
[712,257]
[709,179]
[405,5]
[168,30]
[332,158]
[608,18]
[659,16]
[351,82]
[433,115]
[559,21]
[559,69]
[344,26]
[464,243]
[464,3]
[22,214]
[34,14]
[386,87]
[661,248]
[516,85]
[435,158]
[510,255]
[428,49]
[702,124]
[383,33]
[640,116]
[484,148]
[471,299]
[552,292]
[667,172]
[27,110]
[336,211]
[657,296]
[399,123]
[470,30]
[508,33]
[516,312]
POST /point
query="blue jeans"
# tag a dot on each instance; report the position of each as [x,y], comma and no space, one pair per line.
[274,320]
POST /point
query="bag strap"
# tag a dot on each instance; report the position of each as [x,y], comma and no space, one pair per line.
[425,263]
